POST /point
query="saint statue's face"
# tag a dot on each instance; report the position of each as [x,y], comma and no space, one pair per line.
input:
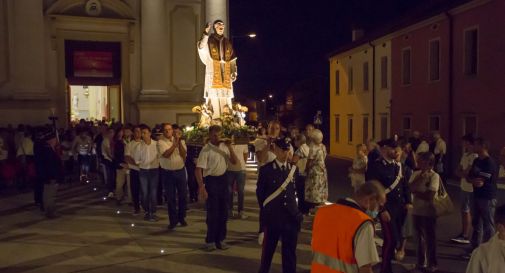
[219,28]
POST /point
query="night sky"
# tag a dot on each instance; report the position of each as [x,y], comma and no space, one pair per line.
[295,38]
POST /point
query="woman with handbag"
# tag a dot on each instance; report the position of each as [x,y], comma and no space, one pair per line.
[424,185]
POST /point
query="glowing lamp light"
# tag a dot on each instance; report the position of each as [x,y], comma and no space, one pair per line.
[94,189]
[132,225]
[105,199]
[118,212]
[251,35]
[162,251]
[263,100]
[270,96]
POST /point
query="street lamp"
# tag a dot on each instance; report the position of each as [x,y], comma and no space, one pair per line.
[251,35]
[270,96]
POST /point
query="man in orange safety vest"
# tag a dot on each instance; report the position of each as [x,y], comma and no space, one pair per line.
[343,233]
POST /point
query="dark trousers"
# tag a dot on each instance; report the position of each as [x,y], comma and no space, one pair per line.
[217,208]
[426,240]
[161,188]
[237,177]
[289,237]
[482,220]
[192,184]
[84,164]
[392,233]
[109,175]
[149,187]
[135,189]
[300,193]
[38,191]
[176,189]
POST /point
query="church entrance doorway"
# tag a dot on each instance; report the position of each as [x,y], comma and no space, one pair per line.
[95,102]
[93,74]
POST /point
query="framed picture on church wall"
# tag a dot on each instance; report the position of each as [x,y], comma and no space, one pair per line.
[92,63]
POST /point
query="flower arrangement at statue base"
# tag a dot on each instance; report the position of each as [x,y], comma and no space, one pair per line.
[232,128]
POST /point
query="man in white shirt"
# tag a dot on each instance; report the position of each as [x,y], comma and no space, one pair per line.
[439,151]
[236,176]
[147,158]
[172,150]
[489,257]
[211,168]
[129,151]
[466,189]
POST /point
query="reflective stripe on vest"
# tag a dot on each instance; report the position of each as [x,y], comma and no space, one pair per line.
[333,239]
[334,264]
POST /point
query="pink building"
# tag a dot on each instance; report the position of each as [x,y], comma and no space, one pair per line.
[447,73]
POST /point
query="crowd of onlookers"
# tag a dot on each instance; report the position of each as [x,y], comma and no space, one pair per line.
[147,167]
[414,172]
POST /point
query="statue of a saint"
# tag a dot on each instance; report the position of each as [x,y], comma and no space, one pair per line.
[216,52]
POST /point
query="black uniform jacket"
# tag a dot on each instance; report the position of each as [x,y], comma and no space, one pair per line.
[281,212]
[386,172]
[48,164]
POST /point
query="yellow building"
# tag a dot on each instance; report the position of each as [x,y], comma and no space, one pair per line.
[360,92]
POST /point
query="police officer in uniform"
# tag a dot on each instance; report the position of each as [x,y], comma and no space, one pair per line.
[389,173]
[279,215]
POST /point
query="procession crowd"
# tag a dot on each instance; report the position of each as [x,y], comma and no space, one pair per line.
[398,182]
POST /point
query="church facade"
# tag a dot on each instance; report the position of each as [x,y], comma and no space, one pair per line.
[128,60]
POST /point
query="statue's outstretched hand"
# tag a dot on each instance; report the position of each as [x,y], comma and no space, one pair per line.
[233,76]
[207,28]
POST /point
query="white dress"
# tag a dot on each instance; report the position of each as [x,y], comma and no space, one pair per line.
[316,184]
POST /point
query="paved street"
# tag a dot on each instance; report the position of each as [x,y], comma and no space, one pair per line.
[94,235]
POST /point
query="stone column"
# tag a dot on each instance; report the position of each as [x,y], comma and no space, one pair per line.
[154,48]
[4,42]
[217,9]
[27,45]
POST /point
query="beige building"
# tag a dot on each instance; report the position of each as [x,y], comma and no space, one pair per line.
[137,59]
[360,93]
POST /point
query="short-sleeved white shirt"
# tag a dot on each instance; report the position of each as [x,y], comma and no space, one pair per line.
[146,155]
[365,251]
[175,161]
[431,183]
[25,147]
[130,147]
[440,147]
[240,150]
[423,147]
[212,162]
[465,163]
